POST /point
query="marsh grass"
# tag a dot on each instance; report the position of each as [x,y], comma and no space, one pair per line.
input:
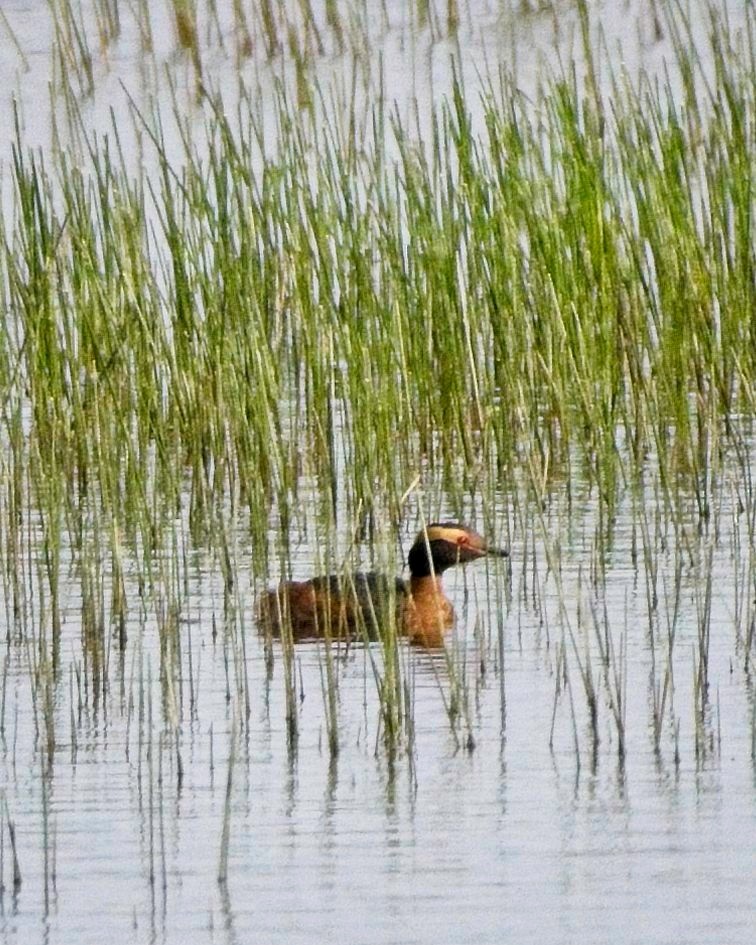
[7,825]
[288,338]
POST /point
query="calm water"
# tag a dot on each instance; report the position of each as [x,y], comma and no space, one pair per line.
[537,835]
[515,840]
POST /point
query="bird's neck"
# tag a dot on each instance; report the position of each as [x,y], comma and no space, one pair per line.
[431,613]
[429,585]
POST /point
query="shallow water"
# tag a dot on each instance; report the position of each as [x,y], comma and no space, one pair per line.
[514,839]
[538,833]
[409,65]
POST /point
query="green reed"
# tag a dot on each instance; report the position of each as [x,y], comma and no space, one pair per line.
[262,334]
[6,822]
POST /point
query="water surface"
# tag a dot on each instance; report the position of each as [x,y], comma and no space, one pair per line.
[517,822]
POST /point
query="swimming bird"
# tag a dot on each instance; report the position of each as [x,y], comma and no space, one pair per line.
[351,605]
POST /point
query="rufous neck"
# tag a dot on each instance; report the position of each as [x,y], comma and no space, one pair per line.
[426,585]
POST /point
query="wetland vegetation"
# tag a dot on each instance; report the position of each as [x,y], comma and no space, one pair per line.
[277,344]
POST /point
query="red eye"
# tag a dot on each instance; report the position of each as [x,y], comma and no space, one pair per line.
[463,540]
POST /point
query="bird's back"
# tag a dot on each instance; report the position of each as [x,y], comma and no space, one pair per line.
[357,605]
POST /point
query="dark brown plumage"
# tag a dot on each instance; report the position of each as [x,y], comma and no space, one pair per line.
[359,605]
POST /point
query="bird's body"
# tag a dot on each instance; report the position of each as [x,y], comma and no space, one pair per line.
[332,603]
[360,605]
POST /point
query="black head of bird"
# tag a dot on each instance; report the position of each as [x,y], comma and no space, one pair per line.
[442,545]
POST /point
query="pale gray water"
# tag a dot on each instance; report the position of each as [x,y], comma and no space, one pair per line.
[510,842]
[515,841]
[410,66]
